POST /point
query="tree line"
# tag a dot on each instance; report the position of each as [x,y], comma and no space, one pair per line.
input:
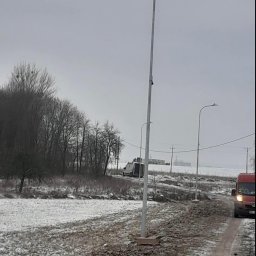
[41,134]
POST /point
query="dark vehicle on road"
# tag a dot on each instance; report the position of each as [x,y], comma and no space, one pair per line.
[134,169]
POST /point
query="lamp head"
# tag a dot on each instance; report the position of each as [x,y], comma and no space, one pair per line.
[214,105]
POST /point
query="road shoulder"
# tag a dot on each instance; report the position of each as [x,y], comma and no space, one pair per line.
[224,247]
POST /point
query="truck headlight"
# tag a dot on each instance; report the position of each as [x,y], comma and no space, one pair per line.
[239,198]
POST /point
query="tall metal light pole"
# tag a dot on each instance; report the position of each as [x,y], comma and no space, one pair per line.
[145,190]
[171,161]
[198,145]
[141,148]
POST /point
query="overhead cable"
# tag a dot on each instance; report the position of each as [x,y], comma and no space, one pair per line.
[192,150]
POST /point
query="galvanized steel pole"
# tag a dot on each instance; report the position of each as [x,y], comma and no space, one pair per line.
[145,190]
[141,128]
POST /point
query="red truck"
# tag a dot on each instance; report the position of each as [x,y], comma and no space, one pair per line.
[244,195]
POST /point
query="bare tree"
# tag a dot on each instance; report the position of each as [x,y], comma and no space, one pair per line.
[43,135]
[111,143]
[25,97]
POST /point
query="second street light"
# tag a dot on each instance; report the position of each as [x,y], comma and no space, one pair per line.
[198,145]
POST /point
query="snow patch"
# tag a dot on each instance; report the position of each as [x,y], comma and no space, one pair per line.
[23,214]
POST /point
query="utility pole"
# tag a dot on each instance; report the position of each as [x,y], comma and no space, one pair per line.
[247,155]
[118,149]
[171,161]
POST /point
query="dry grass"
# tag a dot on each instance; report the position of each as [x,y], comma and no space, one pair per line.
[61,187]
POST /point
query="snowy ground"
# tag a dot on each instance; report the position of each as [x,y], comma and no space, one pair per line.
[65,227]
[183,229]
[23,214]
[211,186]
[245,240]
[43,227]
[113,234]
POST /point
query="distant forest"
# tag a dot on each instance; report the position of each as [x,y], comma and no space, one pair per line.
[42,135]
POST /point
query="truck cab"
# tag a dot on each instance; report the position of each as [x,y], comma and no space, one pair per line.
[244,194]
[134,169]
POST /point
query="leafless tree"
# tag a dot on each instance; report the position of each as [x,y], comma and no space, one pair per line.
[43,135]
[111,143]
[25,97]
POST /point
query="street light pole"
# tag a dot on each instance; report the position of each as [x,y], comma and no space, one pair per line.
[171,161]
[198,145]
[140,148]
[145,190]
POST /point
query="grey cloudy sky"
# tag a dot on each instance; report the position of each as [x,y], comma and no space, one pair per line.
[98,52]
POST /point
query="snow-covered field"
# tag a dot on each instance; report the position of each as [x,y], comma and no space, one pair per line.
[23,214]
[54,226]
[211,171]
[65,219]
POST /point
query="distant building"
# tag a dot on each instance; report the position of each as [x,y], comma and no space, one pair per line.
[181,163]
[150,161]
[156,161]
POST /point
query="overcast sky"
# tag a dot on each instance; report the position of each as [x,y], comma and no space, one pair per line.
[98,53]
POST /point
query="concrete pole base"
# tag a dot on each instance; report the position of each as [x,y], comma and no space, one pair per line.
[148,241]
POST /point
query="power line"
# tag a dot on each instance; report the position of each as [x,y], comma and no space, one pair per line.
[225,143]
[192,150]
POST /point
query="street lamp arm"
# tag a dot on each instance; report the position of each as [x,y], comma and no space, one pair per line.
[207,106]
[198,144]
